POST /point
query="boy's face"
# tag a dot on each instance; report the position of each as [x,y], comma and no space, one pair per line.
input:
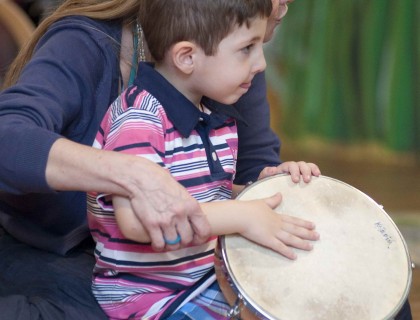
[279,11]
[227,75]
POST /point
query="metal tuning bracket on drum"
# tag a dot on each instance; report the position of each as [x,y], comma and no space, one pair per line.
[235,312]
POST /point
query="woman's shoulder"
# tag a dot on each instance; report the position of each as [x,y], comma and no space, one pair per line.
[106,27]
[100,31]
[97,41]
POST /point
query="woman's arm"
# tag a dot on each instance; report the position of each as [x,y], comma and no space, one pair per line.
[159,203]
[48,122]
[63,91]
[259,146]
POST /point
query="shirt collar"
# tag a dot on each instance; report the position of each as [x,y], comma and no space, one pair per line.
[183,113]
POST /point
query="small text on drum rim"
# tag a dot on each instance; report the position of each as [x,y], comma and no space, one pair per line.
[380,227]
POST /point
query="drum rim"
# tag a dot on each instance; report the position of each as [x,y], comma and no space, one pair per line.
[251,304]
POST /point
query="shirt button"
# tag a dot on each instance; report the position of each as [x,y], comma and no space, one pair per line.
[200,119]
[214,155]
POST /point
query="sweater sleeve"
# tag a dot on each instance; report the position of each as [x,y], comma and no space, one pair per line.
[50,100]
[259,146]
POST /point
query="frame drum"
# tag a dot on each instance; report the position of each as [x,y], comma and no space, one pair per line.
[359,269]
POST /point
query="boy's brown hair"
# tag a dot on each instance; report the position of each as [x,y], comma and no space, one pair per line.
[204,22]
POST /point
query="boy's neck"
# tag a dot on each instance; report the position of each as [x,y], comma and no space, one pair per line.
[180,81]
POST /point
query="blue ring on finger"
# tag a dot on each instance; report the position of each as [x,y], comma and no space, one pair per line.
[171,242]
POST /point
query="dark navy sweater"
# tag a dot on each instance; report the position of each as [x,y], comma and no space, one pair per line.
[64,91]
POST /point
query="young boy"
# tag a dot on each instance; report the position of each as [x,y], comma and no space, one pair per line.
[202,50]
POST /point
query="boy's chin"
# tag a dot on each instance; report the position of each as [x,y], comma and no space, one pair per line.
[231,100]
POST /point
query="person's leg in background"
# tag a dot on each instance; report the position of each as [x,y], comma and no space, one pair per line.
[36,284]
[405,312]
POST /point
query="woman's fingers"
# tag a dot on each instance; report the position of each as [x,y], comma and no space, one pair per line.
[167,211]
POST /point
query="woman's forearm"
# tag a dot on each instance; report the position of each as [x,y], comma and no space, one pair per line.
[156,199]
[72,166]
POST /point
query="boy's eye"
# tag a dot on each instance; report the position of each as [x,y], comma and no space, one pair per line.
[247,48]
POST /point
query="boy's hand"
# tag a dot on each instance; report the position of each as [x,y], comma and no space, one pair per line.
[279,232]
[295,169]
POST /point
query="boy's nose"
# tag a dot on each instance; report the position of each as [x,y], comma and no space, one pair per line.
[260,64]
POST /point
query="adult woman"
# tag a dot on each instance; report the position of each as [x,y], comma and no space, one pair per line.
[58,90]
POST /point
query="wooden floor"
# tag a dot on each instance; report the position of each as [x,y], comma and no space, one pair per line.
[396,187]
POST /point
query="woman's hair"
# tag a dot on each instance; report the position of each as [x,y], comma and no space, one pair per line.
[96,9]
[206,23]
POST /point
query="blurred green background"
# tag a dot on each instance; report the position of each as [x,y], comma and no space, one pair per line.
[346,72]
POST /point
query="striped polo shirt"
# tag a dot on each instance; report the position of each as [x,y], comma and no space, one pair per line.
[152,119]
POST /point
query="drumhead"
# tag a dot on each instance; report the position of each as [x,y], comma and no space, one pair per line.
[359,269]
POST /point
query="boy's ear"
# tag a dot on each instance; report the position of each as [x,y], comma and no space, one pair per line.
[183,54]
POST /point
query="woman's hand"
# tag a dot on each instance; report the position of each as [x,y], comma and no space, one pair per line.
[166,210]
[162,206]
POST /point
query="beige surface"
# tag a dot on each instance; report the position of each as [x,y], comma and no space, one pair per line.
[360,269]
[394,184]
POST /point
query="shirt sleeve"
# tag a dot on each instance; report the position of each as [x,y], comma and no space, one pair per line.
[259,146]
[53,98]
[133,130]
